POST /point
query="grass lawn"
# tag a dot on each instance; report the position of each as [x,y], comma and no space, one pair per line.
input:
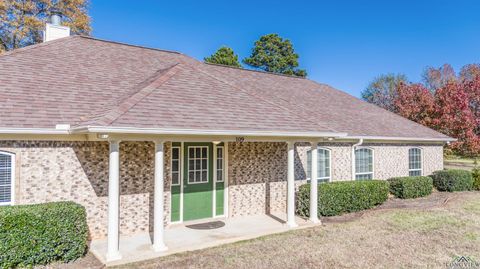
[459,162]
[396,238]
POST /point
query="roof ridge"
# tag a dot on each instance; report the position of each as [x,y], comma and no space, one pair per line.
[258,97]
[257,71]
[109,116]
[129,45]
[42,44]
[37,45]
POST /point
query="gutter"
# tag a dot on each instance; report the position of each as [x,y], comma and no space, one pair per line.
[399,138]
[32,131]
[354,146]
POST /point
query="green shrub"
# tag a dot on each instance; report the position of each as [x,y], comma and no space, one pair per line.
[40,234]
[411,187]
[336,198]
[452,180]
[476,179]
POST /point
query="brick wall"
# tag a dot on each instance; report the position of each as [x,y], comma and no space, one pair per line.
[78,171]
[257,174]
[390,160]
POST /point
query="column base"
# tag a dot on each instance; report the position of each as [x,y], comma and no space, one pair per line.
[159,247]
[114,256]
[315,220]
[292,224]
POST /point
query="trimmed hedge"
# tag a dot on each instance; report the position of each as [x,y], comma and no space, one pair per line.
[411,187]
[452,180]
[336,198]
[476,179]
[40,234]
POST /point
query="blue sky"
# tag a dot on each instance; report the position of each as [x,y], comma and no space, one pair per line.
[341,43]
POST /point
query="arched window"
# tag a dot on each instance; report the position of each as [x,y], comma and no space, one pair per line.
[363,164]
[323,165]
[415,162]
[7,171]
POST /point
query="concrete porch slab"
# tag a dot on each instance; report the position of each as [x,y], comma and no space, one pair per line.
[180,238]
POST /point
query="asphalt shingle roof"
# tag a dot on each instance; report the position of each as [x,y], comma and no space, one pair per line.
[84,81]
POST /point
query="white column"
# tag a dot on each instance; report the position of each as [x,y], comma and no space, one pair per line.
[113,252]
[291,186]
[214,203]
[314,184]
[158,208]
[225,177]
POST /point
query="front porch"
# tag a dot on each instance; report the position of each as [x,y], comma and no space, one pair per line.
[200,181]
[180,238]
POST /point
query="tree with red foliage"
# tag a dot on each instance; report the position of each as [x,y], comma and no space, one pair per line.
[454,117]
[415,102]
[472,88]
[452,110]
[446,103]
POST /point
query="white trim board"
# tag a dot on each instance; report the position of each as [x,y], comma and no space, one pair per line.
[203,132]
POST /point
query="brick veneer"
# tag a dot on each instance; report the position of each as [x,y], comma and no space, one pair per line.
[78,171]
[390,160]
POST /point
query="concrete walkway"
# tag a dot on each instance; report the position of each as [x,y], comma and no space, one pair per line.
[180,238]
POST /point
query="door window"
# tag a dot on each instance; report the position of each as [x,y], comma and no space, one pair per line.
[197,165]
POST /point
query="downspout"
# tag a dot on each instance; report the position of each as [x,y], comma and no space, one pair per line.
[360,142]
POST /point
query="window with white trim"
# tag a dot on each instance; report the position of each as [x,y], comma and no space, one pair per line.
[323,165]
[176,166]
[220,164]
[414,162]
[197,164]
[7,170]
[363,164]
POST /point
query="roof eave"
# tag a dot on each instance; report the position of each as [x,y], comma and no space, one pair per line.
[410,139]
[164,131]
[170,131]
[39,131]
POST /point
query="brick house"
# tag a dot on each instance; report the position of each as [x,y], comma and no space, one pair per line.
[145,138]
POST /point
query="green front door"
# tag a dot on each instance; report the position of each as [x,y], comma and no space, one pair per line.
[193,173]
[198,181]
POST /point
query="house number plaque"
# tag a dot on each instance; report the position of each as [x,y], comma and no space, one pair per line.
[240,139]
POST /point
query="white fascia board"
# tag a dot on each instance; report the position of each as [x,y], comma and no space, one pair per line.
[32,131]
[393,138]
[161,131]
